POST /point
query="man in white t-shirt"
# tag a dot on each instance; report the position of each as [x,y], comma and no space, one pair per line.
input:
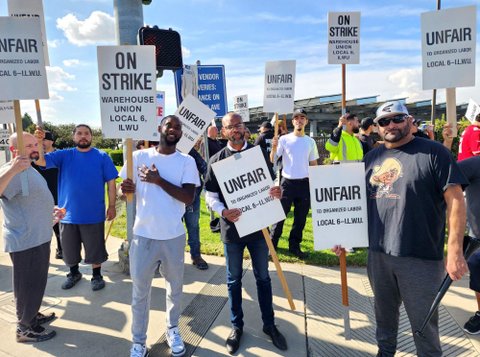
[164,183]
[298,152]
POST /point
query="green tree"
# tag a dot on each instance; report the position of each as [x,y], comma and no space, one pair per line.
[26,121]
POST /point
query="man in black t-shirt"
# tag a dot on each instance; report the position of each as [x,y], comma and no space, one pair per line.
[264,139]
[412,185]
[234,246]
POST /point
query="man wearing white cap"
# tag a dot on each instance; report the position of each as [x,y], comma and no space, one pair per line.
[412,185]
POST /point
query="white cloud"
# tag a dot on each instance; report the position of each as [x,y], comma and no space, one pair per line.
[57,79]
[71,62]
[310,20]
[53,43]
[186,52]
[99,27]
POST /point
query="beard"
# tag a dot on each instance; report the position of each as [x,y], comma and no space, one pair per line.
[356,130]
[83,144]
[237,139]
[34,155]
[394,135]
[164,140]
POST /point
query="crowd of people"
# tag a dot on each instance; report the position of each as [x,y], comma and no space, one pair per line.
[415,189]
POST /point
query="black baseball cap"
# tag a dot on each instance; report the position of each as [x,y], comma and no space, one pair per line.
[299,111]
[366,123]
[266,124]
[48,136]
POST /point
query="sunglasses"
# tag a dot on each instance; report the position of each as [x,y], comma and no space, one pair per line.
[397,119]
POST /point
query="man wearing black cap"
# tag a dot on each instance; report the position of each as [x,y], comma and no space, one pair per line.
[366,128]
[51,176]
[343,145]
[264,139]
[298,151]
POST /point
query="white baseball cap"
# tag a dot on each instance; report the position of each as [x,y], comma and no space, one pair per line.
[390,108]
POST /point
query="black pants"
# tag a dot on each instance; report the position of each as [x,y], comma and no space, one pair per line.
[30,273]
[298,193]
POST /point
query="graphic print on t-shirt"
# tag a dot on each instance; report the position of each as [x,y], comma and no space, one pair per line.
[383,178]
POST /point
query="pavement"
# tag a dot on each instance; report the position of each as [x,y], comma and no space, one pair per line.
[98,323]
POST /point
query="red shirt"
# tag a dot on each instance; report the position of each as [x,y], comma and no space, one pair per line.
[469,143]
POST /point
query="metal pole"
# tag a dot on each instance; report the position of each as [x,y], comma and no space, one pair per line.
[434,93]
[128,19]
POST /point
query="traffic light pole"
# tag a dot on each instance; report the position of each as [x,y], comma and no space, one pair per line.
[128,19]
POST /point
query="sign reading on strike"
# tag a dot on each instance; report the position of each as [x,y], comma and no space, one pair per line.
[448,47]
[22,67]
[195,117]
[279,93]
[27,9]
[7,114]
[4,138]
[245,182]
[339,205]
[240,106]
[344,37]
[127,80]
[473,110]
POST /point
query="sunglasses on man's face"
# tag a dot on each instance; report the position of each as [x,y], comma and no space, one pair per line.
[397,119]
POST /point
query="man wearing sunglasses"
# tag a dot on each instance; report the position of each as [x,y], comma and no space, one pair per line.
[412,185]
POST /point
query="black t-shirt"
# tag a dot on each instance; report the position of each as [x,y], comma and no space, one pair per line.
[51,176]
[265,141]
[228,232]
[214,146]
[471,169]
[406,207]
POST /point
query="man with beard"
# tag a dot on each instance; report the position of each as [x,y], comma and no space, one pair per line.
[343,145]
[297,151]
[165,183]
[234,246]
[27,240]
[82,174]
[406,227]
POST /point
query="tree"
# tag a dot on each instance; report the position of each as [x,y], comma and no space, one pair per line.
[26,121]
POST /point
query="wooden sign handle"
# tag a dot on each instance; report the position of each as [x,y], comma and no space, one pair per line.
[283,281]
[343,274]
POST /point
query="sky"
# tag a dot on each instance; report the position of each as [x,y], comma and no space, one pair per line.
[242,36]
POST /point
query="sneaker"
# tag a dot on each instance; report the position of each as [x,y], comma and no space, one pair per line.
[97,283]
[174,341]
[34,333]
[472,326]
[138,350]
[43,319]
[59,254]
[71,280]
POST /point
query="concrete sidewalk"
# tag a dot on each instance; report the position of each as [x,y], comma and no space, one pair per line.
[98,323]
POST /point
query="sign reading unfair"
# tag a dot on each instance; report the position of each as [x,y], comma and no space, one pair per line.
[448,47]
[339,205]
[344,37]
[245,183]
[240,106]
[22,67]
[6,112]
[279,93]
[127,80]
[195,117]
[27,9]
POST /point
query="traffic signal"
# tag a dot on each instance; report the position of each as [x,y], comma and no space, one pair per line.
[168,48]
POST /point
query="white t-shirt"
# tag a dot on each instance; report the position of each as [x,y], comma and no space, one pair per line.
[159,215]
[297,152]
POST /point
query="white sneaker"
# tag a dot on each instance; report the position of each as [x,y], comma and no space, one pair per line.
[175,342]
[138,350]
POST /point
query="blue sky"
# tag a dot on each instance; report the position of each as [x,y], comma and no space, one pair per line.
[243,35]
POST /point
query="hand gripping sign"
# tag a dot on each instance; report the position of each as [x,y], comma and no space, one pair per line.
[245,182]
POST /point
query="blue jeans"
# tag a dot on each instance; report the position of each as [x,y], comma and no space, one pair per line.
[234,256]
[191,217]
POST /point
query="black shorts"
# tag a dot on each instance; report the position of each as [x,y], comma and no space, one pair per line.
[474,267]
[91,235]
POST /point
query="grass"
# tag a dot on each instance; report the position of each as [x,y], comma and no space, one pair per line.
[211,243]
